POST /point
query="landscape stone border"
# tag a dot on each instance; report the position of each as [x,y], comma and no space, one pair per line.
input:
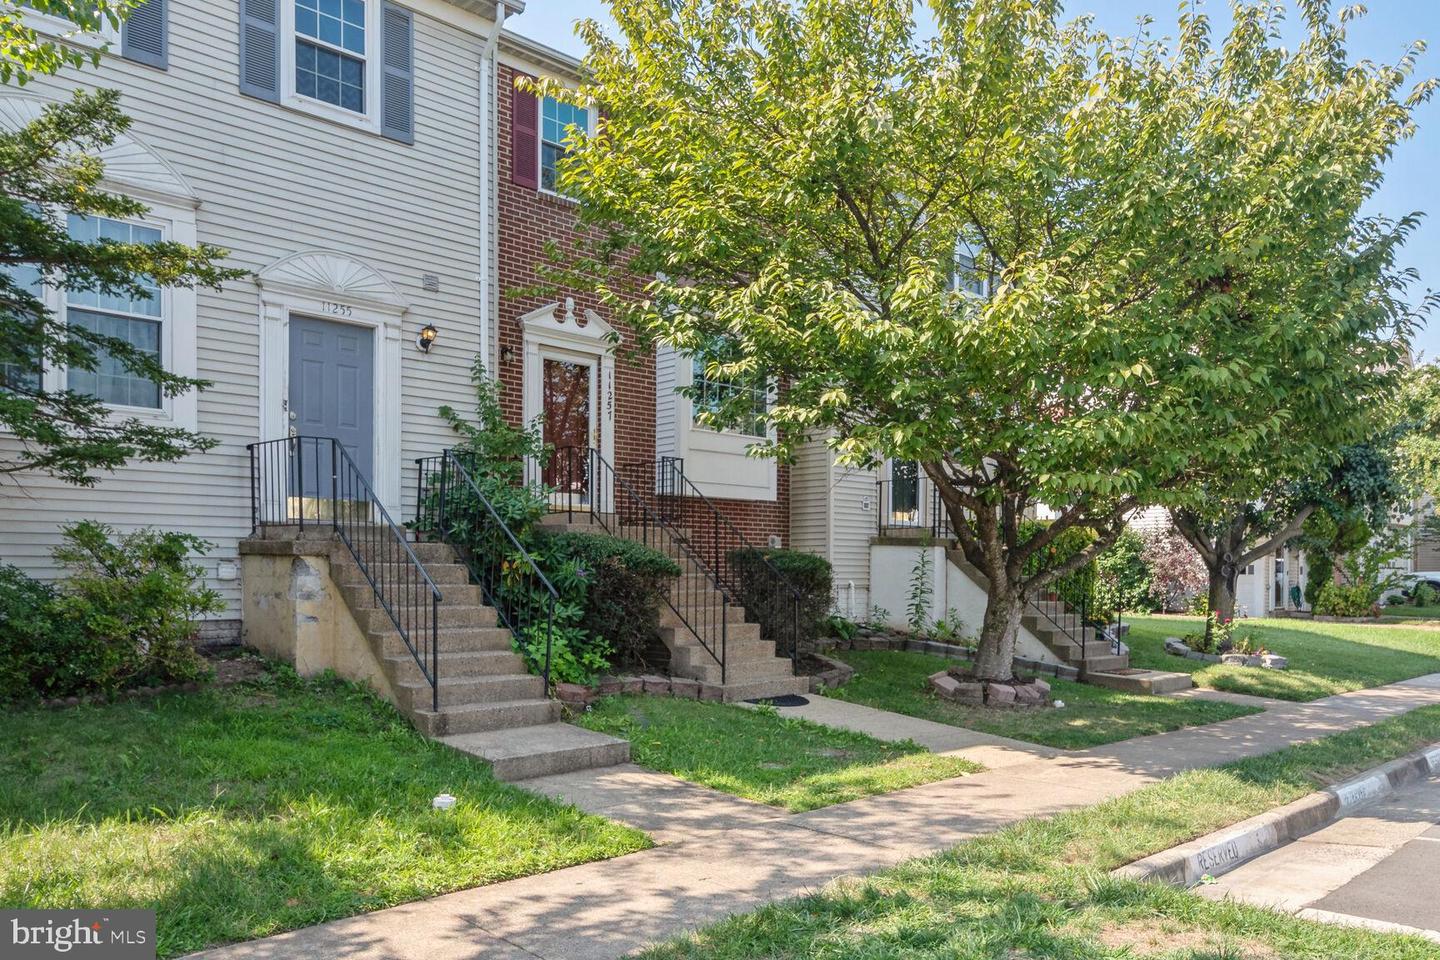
[869,640]
[1267,661]
[956,686]
[581,695]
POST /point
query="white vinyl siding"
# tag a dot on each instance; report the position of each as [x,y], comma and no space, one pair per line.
[832,513]
[273,183]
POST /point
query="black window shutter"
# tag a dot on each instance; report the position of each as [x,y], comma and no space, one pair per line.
[397,74]
[260,48]
[144,36]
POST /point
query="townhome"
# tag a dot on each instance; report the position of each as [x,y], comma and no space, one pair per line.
[339,151]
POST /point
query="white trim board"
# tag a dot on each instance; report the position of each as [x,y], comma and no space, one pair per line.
[333,286]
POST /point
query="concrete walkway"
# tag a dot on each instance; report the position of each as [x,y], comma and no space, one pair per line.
[720,856]
[986,749]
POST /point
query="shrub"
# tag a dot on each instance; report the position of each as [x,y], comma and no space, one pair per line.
[618,585]
[1178,575]
[770,606]
[1351,600]
[1123,580]
[125,617]
[1425,595]
[840,627]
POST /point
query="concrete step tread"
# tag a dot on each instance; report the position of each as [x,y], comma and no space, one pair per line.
[532,741]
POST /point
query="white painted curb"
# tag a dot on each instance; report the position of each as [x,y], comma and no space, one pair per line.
[1226,849]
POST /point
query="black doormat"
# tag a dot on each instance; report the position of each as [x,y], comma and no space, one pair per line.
[789,700]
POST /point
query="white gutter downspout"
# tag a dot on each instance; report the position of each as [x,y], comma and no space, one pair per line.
[489,202]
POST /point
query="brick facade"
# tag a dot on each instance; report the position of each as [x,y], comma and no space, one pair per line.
[529,220]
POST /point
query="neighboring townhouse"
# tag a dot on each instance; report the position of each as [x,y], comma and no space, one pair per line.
[392,189]
[339,151]
[560,358]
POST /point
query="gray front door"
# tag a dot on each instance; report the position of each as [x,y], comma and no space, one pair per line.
[332,392]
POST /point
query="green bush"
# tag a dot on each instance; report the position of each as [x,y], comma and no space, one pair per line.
[618,585]
[1123,580]
[124,618]
[1336,600]
[1425,595]
[771,605]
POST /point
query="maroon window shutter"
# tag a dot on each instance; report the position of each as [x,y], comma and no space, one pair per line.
[524,136]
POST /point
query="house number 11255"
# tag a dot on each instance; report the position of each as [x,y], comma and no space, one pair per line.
[335,309]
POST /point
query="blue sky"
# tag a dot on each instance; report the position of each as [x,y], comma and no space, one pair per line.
[1412,180]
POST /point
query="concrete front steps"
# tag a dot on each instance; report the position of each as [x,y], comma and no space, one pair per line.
[752,670]
[1142,681]
[489,704]
[1042,618]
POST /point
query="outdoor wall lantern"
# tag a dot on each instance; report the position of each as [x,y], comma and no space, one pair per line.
[428,333]
[507,354]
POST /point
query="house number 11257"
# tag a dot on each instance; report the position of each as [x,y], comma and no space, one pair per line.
[335,309]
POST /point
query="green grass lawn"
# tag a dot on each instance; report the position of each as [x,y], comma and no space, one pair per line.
[894,680]
[1413,613]
[759,755]
[1325,658]
[240,812]
[1041,889]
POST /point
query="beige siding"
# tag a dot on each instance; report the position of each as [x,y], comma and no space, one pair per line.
[666,442]
[274,182]
[828,516]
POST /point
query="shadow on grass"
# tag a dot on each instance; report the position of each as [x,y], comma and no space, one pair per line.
[247,811]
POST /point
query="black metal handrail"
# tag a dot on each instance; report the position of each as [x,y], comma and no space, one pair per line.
[299,480]
[717,539]
[450,505]
[583,483]
[907,515]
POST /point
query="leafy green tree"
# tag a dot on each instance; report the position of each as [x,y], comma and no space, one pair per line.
[1418,449]
[50,174]
[1050,265]
[25,52]
[1331,511]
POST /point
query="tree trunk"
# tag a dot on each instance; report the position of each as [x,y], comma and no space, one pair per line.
[995,657]
[1222,592]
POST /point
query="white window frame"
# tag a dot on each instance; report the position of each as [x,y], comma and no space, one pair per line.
[178,328]
[540,142]
[718,462]
[369,121]
[107,37]
[695,423]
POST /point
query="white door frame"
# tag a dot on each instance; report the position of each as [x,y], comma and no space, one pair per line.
[554,331]
[330,286]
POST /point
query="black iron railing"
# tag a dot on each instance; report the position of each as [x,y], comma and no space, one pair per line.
[746,574]
[583,485]
[908,508]
[313,483]
[453,507]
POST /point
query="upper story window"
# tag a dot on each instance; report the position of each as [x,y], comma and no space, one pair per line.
[555,119]
[711,395]
[143,35]
[138,321]
[330,59]
[965,275]
[349,61]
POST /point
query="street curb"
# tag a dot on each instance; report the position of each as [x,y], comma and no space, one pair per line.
[1226,849]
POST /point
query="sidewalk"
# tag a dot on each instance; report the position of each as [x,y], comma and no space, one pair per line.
[721,856]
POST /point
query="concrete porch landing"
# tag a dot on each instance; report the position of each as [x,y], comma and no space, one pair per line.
[520,753]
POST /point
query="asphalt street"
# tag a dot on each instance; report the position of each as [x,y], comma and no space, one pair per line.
[1378,868]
